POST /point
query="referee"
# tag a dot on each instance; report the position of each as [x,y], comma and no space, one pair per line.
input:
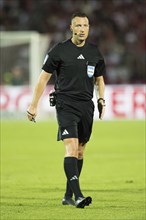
[78,66]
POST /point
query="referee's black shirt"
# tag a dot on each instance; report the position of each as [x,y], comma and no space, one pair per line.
[75,69]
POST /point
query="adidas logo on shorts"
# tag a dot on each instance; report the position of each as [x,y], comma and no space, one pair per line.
[65,132]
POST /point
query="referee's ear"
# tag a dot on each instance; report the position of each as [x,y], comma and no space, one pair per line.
[71,28]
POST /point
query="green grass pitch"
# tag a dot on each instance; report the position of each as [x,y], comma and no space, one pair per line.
[33,180]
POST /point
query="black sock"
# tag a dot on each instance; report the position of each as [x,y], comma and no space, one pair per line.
[69,192]
[80,164]
[72,174]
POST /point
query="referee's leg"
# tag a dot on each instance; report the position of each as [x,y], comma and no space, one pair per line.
[72,172]
[71,147]
[70,165]
[69,193]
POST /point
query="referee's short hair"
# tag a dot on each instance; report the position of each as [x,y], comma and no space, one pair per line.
[79,14]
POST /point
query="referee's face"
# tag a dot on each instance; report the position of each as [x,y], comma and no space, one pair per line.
[80,28]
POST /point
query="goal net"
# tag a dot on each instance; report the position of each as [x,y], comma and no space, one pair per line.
[22,54]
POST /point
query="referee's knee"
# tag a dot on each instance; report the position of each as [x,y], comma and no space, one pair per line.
[71,146]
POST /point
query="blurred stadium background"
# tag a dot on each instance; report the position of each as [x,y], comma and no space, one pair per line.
[28,28]
[32,183]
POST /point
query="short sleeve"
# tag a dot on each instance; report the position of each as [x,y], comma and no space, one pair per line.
[51,60]
[100,68]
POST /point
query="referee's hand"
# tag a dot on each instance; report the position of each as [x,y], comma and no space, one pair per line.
[31,114]
[101,107]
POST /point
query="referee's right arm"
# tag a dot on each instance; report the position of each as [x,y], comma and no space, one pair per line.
[38,91]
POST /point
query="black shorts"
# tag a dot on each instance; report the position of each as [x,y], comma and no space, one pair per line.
[75,119]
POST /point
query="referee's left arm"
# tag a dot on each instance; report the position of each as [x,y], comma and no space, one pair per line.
[100,87]
[99,82]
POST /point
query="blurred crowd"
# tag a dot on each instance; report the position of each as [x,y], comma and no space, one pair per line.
[117,27]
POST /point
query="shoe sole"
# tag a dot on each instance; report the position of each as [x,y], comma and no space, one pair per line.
[84,202]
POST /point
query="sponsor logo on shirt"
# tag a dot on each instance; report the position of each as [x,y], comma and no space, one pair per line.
[80,57]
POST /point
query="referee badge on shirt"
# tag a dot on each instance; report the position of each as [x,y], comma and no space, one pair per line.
[90,69]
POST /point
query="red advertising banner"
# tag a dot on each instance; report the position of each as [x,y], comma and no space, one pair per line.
[122,102]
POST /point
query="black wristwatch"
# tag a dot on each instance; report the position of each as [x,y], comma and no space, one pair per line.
[100,100]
